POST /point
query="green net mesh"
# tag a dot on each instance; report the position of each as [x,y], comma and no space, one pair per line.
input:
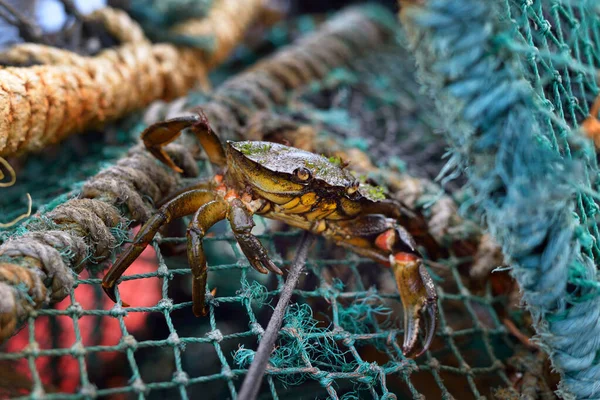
[342,332]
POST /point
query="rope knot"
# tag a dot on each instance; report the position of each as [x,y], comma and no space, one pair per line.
[215,335]
[256,328]
[117,311]
[139,386]
[129,342]
[165,304]
[89,391]
[181,378]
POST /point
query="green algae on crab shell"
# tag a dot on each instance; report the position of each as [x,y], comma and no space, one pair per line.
[279,158]
[373,193]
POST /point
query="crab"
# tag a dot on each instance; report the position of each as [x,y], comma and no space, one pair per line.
[300,188]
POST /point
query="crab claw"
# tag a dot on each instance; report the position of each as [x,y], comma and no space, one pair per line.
[112,294]
[419,299]
[257,255]
[162,133]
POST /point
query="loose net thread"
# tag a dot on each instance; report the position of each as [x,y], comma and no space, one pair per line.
[350,349]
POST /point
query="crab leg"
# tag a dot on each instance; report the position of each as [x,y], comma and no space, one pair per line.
[184,204]
[157,135]
[207,184]
[206,216]
[388,243]
[241,224]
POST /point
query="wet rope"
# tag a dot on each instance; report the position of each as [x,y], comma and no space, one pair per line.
[36,268]
[43,104]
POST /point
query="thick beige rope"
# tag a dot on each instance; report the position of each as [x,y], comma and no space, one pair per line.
[43,104]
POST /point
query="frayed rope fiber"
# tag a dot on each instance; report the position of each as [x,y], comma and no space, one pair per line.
[524,189]
[68,93]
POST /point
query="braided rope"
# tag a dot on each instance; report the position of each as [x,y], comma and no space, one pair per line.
[43,104]
[38,267]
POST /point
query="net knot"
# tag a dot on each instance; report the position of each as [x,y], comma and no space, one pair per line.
[544,27]
[174,339]
[181,378]
[163,271]
[573,101]
[165,304]
[215,335]
[38,393]
[212,300]
[324,378]
[117,311]
[88,391]
[585,239]
[75,310]
[368,372]
[256,328]
[78,349]
[139,386]
[348,341]
[329,291]
[226,371]
[129,342]
[32,349]
[556,76]
[434,364]
[391,337]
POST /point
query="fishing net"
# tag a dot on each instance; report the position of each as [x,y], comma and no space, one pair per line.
[341,335]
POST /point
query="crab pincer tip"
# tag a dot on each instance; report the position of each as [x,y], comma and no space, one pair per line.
[112,294]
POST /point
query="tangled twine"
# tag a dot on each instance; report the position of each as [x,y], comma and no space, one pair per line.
[68,93]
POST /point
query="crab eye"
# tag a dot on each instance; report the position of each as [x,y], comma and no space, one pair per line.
[352,189]
[302,173]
